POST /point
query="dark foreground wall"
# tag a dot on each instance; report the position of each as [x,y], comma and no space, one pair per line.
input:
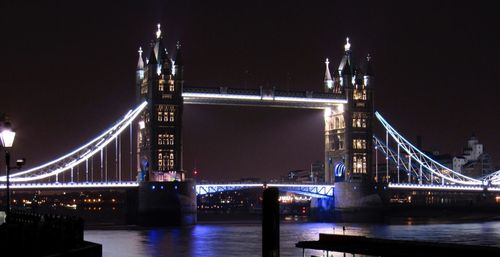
[32,234]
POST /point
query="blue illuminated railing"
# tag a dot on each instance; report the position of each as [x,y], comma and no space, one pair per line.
[314,190]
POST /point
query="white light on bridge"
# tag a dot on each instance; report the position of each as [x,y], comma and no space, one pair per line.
[263,98]
[72,185]
[110,135]
[142,125]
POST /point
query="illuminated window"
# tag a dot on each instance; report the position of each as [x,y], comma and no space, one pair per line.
[161,114]
[165,116]
[359,163]
[359,94]
[359,120]
[170,160]
[359,144]
[165,139]
[161,165]
[161,85]
[172,116]
[171,85]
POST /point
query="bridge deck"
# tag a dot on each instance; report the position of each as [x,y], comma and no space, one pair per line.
[321,190]
[261,97]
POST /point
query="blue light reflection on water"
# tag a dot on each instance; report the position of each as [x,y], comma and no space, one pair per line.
[245,239]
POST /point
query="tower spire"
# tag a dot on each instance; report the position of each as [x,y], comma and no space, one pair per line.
[328,77]
[347,46]
[140,62]
[158,31]
[152,56]
[345,67]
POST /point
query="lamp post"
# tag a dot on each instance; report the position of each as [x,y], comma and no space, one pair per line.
[7,137]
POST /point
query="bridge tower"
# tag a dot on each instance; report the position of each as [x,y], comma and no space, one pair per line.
[160,134]
[348,132]
[165,196]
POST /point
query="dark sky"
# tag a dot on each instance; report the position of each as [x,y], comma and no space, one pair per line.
[67,72]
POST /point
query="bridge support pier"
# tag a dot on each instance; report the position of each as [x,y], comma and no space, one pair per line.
[322,208]
[166,203]
[356,201]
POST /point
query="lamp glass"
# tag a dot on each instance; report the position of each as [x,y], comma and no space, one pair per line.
[7,137]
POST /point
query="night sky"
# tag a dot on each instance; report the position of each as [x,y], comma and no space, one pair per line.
[67,71]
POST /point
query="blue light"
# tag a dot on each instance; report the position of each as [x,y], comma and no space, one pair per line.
[161,187]
[175,187]
[339,169]
[153,187]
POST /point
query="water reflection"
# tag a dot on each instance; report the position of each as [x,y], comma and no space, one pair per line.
[245,239]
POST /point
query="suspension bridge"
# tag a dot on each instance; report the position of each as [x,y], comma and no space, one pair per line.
[357,162]
[418,169]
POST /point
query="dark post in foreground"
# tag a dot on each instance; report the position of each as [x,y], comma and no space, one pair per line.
[270,223]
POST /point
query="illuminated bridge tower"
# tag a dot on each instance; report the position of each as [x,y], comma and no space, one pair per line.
[165,197]
[159,136]
[348,134]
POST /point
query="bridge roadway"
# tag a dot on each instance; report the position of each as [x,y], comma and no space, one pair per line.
[319,190]
[314,190]
[261,97]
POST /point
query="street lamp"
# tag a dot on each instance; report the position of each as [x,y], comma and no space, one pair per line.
[7,137]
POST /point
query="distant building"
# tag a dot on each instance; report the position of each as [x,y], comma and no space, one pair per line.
[318,172]
[444,159]
[299,176]
[474,162]
[315,174]
[250,180]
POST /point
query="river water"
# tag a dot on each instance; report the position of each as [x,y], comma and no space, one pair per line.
[223,239]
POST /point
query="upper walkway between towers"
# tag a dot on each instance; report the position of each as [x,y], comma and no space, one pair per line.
[261,97]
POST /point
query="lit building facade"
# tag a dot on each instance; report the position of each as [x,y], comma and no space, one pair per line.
[348,127]
[159,81]
[474,162]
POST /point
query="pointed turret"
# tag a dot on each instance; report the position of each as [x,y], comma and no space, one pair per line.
[345,67]
[152,58]
[139,74]
[157,40]
[328,77]
[161,54]
[151,64]
[140,62]
[337,88]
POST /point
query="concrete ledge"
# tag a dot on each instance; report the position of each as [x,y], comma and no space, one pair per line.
[389,247]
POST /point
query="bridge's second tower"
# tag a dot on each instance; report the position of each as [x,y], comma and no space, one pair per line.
[348,132]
